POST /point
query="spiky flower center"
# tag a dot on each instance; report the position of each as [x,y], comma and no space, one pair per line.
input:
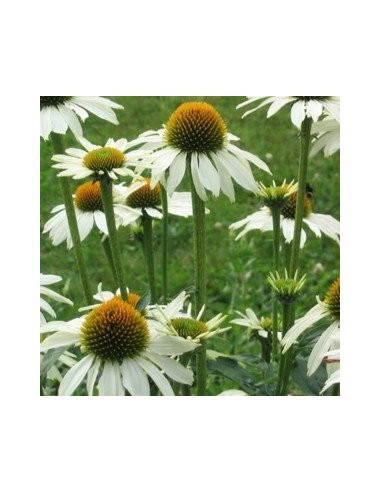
[55,101]
[289,208]
[196,127]
[188,327]
[286,289]
[145,196]
[332,299]
[276,196]
[88,197]
[114,330]
[104,159]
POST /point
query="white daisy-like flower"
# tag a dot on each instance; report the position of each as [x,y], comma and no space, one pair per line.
[88,209]
[328,340]
[196,136]
[302,106]
[58,113]
[173,319]
[122,349]
[262,327]
[318,223]
[113,160]
[45,291]
[328,137]
[141,197]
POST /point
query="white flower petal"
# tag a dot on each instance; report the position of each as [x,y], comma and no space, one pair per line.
[157,377]
[75,375]
[314,314]
[134,378]
[172,368]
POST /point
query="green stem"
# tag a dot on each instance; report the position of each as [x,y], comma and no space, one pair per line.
[107,249]
[287,313]
[108,207]
[305,138]
[287,255]
[148,253]
[276,245]
[58,146]
[200,278]
[164,204]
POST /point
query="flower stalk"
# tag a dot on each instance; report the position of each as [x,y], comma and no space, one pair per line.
[282,383]
[58,146]
[276,244]
[305,139]
[164,203]
[108,253]
[148,253]
[200,277]
[108,207]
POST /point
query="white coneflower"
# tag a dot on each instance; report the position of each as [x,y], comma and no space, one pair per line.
[196,136]
[141,197]
[328,137]
[122,349]
[89,212]
[302,106]
[58,113]
[112,160]
[172,318]
[330,308]
[45,306]
[318,223]
[262,327]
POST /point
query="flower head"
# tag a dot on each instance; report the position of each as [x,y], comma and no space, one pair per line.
[172,318]
[262,220]
[112,160]
[287,289]
[196,137]
[277,195]
[58,113]
[141,197]
[262,327]
[301,106]
[88,209]
[121,347]
[44,305]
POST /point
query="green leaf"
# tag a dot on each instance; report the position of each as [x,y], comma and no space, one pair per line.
[310,385]
[143,301]
[233,371]
[49,359]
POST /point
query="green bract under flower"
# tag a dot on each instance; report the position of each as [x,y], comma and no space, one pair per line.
[196,127]
[188,327]
[88,197]
[332,299]
[145,196]
[114,330]
[286,289]
[104,159]
[277,196]
[46,101]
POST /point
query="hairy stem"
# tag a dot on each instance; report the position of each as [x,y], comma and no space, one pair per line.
[276,245]
[164,203]
[148,253]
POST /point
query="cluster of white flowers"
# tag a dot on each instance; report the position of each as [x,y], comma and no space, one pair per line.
[126,346]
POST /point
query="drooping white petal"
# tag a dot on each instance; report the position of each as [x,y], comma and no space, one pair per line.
[208,175]
[171,345]
[196,178]
[59,339]
[157,377]
[134,378]
[176,172]
[172,368]
[333,379]
[320,348]
[109,382]
[75,375]
[314,314]
[49,279]
[92,376]
[298,113]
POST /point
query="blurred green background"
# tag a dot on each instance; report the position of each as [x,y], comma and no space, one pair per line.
[237,270]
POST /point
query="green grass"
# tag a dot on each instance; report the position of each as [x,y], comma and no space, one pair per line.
[236,270]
